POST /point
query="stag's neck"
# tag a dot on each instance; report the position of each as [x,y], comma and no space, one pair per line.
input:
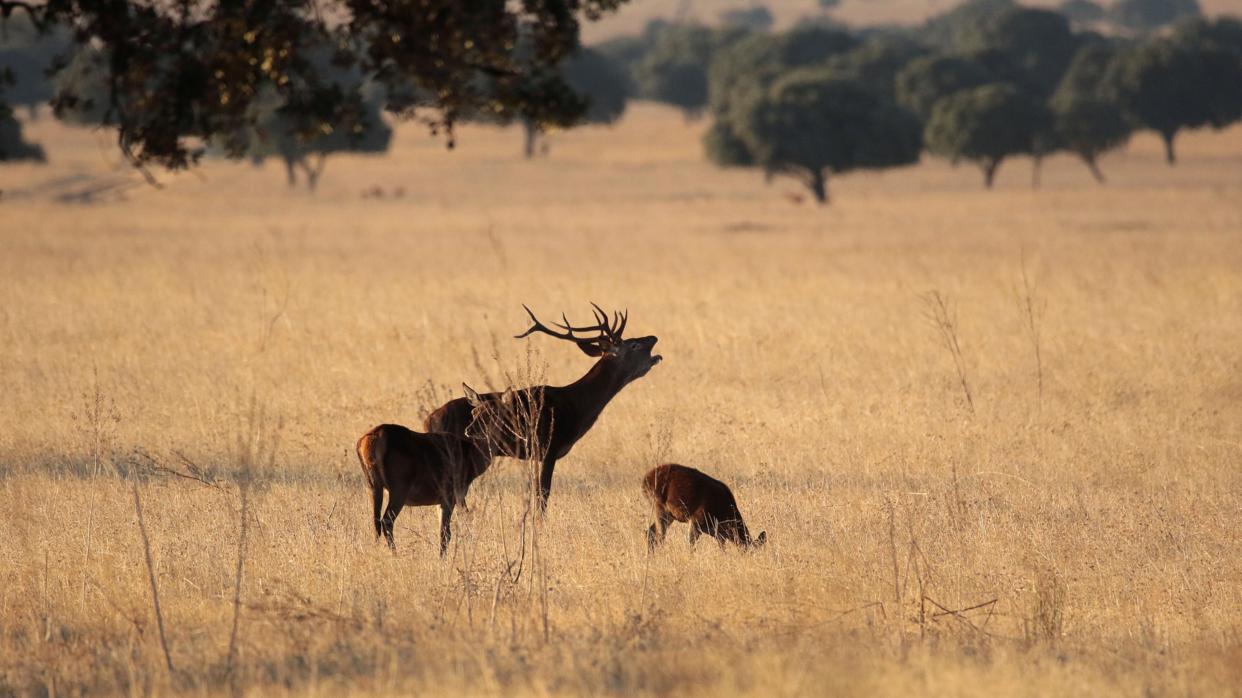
[594,390]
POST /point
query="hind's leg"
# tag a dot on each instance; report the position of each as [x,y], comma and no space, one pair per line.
[655,534]
[377,504]
[397,493]
[446,526]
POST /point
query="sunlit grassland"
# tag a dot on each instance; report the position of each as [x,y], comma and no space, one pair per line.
[1095,523]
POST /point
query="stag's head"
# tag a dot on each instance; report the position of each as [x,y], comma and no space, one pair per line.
[604,340]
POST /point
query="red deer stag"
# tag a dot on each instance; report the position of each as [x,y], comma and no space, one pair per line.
[419,470]
[678,493]
[546,421]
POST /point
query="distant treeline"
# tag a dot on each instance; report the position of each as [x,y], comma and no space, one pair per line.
[988,80]
[985,81]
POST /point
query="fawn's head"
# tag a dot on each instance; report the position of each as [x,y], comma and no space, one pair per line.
[631,357]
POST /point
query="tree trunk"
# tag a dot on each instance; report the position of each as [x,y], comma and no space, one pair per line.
[33,110]
[818,185]
[531,135]
[1169,156]
[290,173]
[1037,165]
[313,171]
[1089,158]
[989,172]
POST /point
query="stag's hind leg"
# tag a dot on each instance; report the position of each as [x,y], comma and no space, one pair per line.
[655,534]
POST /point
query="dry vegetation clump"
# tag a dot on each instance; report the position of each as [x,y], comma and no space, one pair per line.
[215,348]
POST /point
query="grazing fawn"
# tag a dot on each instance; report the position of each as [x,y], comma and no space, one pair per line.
[678,493]
[419,470]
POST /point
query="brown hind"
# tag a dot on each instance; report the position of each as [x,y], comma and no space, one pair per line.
[679,493]
[419,470]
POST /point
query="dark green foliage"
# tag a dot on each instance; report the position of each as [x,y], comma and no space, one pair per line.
[80,89]
[1036,42]
[209,61]
[595,78]
[985,125]
[878,61]
[13,145]
[752,18]
[27,55]
[273,128]
[724,147]
[1087,122]
[674,71]
[828,4]
[1167,85]
[811,123]
[601,81]
[1146,15]
[929,79]
[1224,32]
[944,30]
[755,61]
[1082,11]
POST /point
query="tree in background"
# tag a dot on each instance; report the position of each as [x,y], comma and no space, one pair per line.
[1038,43]
[1087,122]
[1148,15]
[811,123]
[1224,33]
[206,62]
[758,18]
[946,29]
[13,145]
[1082,11]
[674,71]
[929,79]
[1167,84]
[275,135]
[878,61]
[742,71]
[985,125]
[598,80]
[28,54]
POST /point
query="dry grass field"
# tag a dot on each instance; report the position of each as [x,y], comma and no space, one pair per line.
[1078,531]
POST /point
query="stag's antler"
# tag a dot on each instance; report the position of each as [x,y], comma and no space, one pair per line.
[608,334]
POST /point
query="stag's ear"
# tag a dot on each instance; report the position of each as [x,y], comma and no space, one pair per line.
[591,349]
[472,395]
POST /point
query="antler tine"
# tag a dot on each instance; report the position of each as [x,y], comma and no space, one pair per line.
[539,327]
[625,317]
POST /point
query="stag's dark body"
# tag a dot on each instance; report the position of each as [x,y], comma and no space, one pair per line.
[679,493]
[557,416]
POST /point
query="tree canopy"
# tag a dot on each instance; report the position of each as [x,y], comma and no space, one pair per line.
[811,123]
[1167,84]
[1037,42]
[210,61]
[985,125]
[13,145]
[674,70]
[929,79]
[1086,121]
[1146,15]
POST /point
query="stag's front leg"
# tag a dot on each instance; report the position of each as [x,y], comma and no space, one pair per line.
[545,482]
